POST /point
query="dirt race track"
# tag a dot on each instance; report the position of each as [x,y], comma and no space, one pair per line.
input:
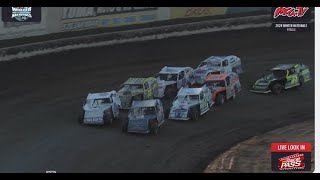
[42,96]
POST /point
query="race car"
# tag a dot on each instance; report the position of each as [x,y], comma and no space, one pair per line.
[191,103]
[100,108]
[171,79]
[223,86]
[144,117]
[215,65]
[138,89]
[283,76]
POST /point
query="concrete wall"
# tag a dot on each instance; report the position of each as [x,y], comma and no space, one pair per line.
[62,19]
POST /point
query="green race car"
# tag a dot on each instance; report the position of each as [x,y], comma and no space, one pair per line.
[283,76]
[138,89]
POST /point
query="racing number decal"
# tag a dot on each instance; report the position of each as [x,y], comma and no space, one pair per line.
[203,106]
[294,80]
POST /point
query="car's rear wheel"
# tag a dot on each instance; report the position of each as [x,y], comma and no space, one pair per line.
[220,99]
[277,88]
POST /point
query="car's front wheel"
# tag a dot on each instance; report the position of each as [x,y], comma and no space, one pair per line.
[195,114]
[81,118]
[154,127]
[277,88]
[108,117]
[125,126]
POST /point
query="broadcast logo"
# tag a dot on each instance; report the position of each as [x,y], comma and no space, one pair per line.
[21,13]
[291,156]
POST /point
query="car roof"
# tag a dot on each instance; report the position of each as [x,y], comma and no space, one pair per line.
[189,91]
[99,95]
[218,58]
[283,67]
[172,69]
[137,80]
[145,103]
[213,77]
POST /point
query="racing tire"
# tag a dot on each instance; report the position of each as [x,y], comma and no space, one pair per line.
[301,80]
[277,88]
[220,99]
[166,113]
[108,117]
[235,94]
[170,92]
[81,118]
[154,128]
[195,114]
[125,126]
[137,98]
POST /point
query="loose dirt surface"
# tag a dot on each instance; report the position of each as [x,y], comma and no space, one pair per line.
[41,98]
[254,156]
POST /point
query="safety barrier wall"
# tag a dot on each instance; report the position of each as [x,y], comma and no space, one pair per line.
[63,19]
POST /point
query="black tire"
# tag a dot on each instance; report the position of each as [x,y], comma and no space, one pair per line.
[170,92]
[154,128]
[81,118]
[220,99]
[301,81]
[125,126]
[195,114]
[137,98]
[166,113]
[235,93]
[108,117]
[277,88]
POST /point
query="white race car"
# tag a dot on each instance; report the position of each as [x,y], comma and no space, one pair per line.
[216,65]
[100,108]
[191,103]
[172,79]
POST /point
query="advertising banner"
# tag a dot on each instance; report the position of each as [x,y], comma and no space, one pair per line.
[79,18]
[187,12]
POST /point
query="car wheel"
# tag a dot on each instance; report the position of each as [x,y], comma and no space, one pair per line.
[108,117]
[195,114]
[81,118]
[301,80]
[170,93]
[166,113]
[277,88]
[154,128]
[220,99]
[235,93]
[125,126]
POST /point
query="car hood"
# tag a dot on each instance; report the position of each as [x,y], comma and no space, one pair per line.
[183,105]
[266,80]
[125,91]
[97,108]
[163,83]
[142,117]
[204,70]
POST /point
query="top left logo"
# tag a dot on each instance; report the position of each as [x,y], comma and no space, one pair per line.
[21,13]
